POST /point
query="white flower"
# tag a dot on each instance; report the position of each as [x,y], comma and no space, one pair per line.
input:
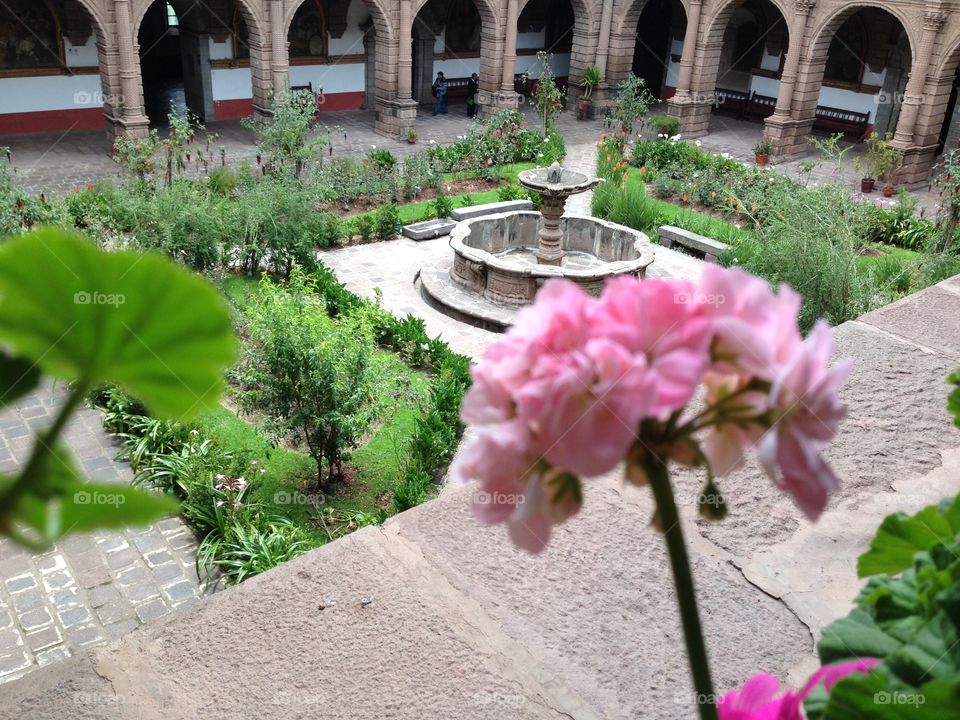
[698,143]
[539,155]
[433,142]
[373,147]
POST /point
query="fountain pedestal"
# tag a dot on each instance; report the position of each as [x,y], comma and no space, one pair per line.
[549,247]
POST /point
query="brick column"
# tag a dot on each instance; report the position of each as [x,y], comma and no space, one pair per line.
[280,61]
[603,41]
[783,128]
[133,119]
[507,98]
[397,111]
[405,52]
[692,108]
[917,158]
[932,22]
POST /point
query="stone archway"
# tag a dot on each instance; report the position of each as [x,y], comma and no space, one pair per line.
[70,49]
[229,86]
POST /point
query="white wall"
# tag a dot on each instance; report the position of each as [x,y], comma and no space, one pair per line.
[352,41]
[82,55]
[531,40]
[52,92]
[232,83]
[529,64]
[770,62]
[673,68]
[765,86]
[221,51]
[331,78]
[849,100]
[458,67]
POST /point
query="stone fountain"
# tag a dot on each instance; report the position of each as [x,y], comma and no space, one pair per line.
[500,261]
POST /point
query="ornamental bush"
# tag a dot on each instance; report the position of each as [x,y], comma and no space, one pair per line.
[308,375]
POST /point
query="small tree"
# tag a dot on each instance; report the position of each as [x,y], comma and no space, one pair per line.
[947,182]
[547,97]
[137,156]
[310,376]
[291,138]
[633,101]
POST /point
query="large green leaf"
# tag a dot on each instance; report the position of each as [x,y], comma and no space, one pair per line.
[953,402]
[900,538]
[134,320]
[17,378]
[62,502]
[872,697]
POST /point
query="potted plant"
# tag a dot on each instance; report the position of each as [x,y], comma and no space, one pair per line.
[879,161]
[412,136]
[761,152]
[592,78]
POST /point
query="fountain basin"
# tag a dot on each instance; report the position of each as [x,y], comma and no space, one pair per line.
[495,257]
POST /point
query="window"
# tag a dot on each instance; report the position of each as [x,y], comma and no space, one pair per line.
[172,20]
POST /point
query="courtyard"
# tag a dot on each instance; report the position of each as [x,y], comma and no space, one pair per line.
[235,416]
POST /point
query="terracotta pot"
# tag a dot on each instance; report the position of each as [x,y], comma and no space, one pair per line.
[762,159]
[889,191]
[412,141]
[867,185]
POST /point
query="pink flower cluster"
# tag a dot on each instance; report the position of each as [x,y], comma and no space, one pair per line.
[757,699]
[563,393]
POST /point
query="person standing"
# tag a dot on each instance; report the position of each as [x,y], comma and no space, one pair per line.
[473,87]
[440,93]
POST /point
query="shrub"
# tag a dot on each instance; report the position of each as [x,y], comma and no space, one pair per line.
[385,220]
[289,138]
[223,181]
[442,205]
[664,187]
[383,161]
[554,148]
[546,97]
[307,374]
[632,102]
[666,125]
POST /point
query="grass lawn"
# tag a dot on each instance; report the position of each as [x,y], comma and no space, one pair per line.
[374,468]
[413,212]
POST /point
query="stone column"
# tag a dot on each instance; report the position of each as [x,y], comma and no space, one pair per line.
[933,21]
[405,52]
[685,79]
[603,42]
[280,62]
[917,157]
[691,108]
[397,112]
[133,119]
[507,98]
[783,128]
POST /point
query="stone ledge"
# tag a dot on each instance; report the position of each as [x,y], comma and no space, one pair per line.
[496,208]
[669,236]
[429,229]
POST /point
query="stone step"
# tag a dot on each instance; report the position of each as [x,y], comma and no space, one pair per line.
[710,248]
[474,211]
[429,229]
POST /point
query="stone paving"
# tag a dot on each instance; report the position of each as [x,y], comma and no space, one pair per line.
[89,588]
[61,162]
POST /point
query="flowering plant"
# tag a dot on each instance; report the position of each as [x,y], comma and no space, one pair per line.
[579,385]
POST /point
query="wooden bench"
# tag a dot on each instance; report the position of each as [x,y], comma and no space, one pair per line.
[731,102]
[761,106]
[700,244]
[849,122]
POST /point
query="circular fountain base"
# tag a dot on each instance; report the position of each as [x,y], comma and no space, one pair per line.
[494,269]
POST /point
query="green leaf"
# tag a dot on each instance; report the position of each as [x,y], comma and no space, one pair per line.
[855,636]
[900,538]
[953,402]
[63,503]
[874,697]
[135,320]
[17,378]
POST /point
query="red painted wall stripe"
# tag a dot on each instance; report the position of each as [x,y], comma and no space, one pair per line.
[52,121]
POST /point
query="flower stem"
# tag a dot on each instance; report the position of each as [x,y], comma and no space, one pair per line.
[659,479]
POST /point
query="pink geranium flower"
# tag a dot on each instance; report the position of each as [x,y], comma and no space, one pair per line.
[660,320]
[808,411]
[758,700]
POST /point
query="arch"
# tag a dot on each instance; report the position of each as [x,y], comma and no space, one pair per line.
[378,13]
[249,9]
[660,25]
[487,9]
[625,23]
[317,7]
[715,30]
[824,32]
